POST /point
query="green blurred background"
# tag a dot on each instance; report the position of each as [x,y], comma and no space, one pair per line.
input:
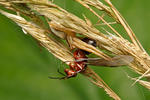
[24,67]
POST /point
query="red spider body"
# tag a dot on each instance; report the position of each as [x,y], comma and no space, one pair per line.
[80,63]
[76,66]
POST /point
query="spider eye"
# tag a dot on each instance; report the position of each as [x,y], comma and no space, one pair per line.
[90,41]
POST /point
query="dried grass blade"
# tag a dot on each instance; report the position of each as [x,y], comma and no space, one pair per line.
[125,25]
[146,84]
[85,5]
[53,46]
[82,45]
[95,79]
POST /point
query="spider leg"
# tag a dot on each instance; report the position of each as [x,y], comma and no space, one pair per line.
[64,76]
[60,72]
[60,78]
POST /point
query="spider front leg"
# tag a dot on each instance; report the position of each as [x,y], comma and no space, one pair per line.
[69,73]
[58,70]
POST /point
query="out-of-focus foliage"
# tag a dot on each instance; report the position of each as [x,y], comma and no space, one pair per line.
[25,66]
